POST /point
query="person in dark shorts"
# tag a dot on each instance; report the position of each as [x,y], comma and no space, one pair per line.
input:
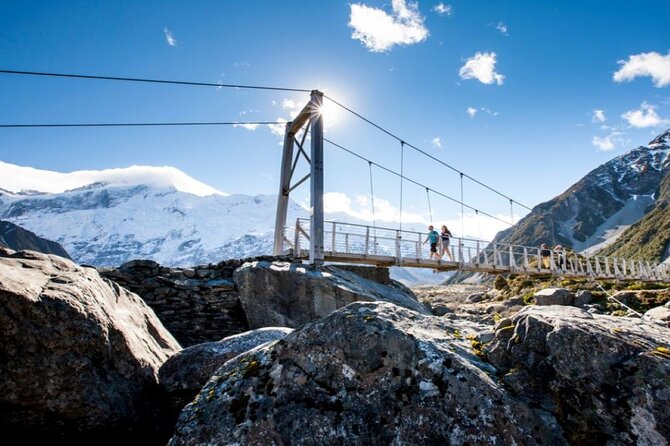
[432,237]
[445,234]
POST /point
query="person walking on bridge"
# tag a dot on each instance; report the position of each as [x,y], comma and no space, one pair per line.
[432,238]
[545,253]
[445,235]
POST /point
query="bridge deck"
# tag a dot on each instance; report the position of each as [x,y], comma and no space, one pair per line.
[350,243]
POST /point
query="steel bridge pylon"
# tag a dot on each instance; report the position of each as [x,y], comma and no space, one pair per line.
[311,117]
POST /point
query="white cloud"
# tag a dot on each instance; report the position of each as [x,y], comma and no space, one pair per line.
[502,28]
[472,111]
[482,66]
[436,142]
[278,129]
[651,64]
[605,143]
[443,9]
[645,116]
[247,126]
[17,178]
[598,116]
[169,37]
[380,31]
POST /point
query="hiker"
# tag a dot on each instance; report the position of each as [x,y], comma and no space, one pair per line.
[432,238]
[560,254]
[445,234]
[545,253]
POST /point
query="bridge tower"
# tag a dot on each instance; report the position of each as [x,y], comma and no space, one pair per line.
[311,116]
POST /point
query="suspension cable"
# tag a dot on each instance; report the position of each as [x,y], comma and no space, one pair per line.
[462,210]
[423,152]
[142,124]
[402,176]
[430,209]
[479,224]
[153,81]
[372,198]
[393,172]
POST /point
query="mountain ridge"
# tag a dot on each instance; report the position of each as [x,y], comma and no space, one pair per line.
[608,199]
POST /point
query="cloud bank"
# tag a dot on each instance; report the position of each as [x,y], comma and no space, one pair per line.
[19,178]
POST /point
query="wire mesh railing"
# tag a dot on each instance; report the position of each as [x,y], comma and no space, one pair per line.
[368,244]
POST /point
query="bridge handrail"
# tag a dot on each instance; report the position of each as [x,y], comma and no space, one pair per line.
[364,241]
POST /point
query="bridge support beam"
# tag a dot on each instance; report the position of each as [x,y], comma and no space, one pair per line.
[316,182]
[284,189]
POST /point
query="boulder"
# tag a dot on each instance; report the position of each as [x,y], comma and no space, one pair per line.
[79,355]
[441,310]
[369,373]
[583,297]
[184,374]
[281,294]
[554,296]
[475,297]
[604,378]
[661,314]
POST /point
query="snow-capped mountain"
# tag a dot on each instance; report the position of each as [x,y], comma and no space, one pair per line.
[107,224]
[159,213]
[596,210]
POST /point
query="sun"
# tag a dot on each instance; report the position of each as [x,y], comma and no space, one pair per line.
[331,112]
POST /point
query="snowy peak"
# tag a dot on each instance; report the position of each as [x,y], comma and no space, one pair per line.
[661,140]
[18,179]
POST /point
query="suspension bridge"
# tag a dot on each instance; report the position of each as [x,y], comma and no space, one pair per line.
[318,241]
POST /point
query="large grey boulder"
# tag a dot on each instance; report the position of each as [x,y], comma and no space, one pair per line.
[605,378]
[661,314]
[281,294]
[184,374]
[79,356]
[368,374]
[554,296]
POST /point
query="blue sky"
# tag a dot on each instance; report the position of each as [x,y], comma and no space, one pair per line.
[531,130]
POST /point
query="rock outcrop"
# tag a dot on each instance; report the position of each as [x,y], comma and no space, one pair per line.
[369,373]
[16,238]
[184,374]
[79,356]
[604,378]
[281,294]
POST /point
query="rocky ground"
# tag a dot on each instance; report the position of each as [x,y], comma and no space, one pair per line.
[352,361]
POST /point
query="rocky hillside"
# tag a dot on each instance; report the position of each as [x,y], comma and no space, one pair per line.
[16,238]
[600,206]
[649,238]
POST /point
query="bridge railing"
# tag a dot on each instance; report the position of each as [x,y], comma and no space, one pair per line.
[401,247]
